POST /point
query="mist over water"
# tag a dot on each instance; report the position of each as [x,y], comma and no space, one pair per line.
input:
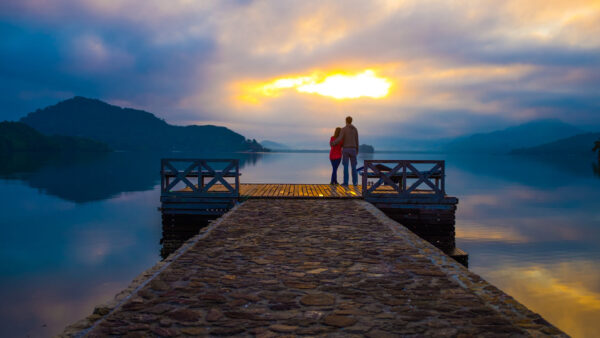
[77,229]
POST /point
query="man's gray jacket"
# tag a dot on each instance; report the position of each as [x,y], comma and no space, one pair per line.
[349,135]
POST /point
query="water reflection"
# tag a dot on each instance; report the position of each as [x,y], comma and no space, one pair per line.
[530,225]
[15,165]
[560,291]
[534,233]
[86,177]
[533,171]
[59,259]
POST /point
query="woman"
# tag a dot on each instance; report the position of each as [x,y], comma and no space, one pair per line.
[335,155]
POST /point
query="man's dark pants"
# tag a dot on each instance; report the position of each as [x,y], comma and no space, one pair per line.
[349,154]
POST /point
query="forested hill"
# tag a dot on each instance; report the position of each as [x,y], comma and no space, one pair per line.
[132,129]
[19,137]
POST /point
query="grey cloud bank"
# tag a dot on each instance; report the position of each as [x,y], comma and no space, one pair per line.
[456,69]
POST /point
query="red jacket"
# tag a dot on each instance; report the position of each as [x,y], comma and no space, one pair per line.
[336,151]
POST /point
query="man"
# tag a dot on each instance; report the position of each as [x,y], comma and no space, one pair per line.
[349,137]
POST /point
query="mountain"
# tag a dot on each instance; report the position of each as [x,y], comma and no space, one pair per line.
[274,145]
[366,149]
[503,141]
[132,129]
[18,137]
[580,144]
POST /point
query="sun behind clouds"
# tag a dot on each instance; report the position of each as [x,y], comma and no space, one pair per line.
[336,85]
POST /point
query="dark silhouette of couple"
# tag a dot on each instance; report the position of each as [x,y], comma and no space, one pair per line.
[344,148]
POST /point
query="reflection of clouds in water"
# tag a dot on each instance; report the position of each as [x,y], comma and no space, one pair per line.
[92,245]
[565,293]
[530,229]
[124,197]
[507,195]
[469,205]
[55,305]
[533,232]
[481,233]
[136,197]
[517,209]
[523,193]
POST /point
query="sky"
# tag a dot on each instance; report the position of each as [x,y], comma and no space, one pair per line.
[290,71]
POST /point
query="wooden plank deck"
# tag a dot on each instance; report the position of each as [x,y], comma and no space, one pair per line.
[257,190]
[306,191]
[276,190]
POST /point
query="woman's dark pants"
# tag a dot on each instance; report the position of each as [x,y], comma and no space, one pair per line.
[335,164]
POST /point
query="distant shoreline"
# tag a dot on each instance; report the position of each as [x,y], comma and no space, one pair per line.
[375,152]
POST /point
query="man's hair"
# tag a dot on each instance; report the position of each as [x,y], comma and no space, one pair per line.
[349,119]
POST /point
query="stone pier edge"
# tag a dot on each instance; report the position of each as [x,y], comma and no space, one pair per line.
[515,312]
[85,325]
[505,305]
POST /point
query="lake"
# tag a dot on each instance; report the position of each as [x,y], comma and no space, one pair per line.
[77,229]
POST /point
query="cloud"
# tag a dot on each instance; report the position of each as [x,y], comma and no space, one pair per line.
[184,60]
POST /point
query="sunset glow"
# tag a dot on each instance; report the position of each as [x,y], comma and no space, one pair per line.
[337,85]
[501,96]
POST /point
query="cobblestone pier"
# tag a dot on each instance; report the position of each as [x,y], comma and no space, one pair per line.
[311,267]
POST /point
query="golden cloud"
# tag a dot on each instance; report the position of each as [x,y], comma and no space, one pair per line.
[336,85]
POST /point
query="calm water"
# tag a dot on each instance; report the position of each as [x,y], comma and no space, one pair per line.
[75,231]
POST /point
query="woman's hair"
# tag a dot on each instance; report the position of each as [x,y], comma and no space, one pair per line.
[337,132]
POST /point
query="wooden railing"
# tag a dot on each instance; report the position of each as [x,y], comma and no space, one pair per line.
[403,178]
[193,173]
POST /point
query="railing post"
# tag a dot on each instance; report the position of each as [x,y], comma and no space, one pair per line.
[162,176]
[365,178]
[237,177]
[443,178]
[403,177]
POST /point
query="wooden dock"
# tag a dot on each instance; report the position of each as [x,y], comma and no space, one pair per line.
[411,192]
[310,267]
[310,260]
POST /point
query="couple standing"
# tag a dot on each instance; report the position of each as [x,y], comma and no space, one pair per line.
[344,148]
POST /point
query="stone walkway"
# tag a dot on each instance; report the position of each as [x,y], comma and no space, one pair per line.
[314,267]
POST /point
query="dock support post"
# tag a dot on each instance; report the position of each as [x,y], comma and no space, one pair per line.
[178,228]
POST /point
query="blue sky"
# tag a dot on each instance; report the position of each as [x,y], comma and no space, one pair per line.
[454,67]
